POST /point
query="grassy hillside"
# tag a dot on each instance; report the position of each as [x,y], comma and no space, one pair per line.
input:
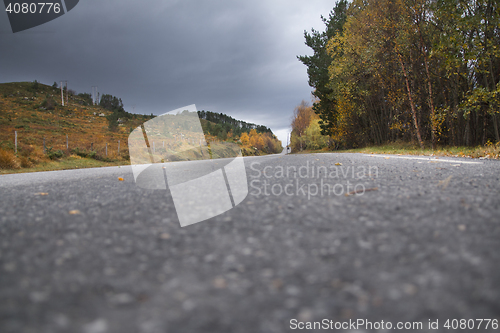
[35,111]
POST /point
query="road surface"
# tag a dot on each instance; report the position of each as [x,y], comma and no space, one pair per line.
[400,240]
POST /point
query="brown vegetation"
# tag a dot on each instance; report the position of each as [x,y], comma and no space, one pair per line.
[37,117]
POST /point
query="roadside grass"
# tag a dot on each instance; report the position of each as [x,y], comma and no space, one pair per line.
[66,163]
[490,150]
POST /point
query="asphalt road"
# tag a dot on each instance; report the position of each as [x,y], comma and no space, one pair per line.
[400,240]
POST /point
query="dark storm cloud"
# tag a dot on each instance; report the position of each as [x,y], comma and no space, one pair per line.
[235,57]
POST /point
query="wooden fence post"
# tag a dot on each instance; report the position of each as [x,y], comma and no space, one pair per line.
[118,147]
[44,149]
[15,135]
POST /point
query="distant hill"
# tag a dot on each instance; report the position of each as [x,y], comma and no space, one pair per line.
[35,111]
[228,123]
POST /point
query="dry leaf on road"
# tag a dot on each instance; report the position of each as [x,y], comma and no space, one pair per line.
[361,191]
[444,183]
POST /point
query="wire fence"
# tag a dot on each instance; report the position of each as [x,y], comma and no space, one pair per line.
[66,145]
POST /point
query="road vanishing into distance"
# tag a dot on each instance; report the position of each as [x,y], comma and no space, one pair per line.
[344,241]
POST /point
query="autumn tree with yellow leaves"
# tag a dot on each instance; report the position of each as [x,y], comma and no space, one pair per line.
[420,71]
[306,131]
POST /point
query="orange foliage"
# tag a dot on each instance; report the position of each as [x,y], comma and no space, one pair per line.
[264,142]
[244,139]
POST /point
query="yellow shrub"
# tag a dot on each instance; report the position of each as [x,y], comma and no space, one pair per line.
[8,160]
[25,162]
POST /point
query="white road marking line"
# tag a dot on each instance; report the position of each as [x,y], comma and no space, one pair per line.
[426,159]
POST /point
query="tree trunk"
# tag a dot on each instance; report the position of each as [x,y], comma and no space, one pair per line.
[467,132]
[495,126]
[413,110]
[429,87]
[485,124]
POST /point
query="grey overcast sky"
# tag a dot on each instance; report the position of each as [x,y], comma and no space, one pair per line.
[234,57]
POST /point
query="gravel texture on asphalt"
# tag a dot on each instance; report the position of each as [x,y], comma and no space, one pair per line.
[398,240]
